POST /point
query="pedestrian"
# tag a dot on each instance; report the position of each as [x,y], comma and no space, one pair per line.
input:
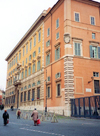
[18,113]
[35,116]
[5,117]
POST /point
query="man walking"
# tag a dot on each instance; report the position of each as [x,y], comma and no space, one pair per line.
[5,117]
[35,116]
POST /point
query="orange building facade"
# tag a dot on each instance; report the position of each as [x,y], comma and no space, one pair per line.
[70,56]
[74,27]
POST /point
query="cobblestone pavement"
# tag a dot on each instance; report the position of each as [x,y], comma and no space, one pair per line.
[64,127]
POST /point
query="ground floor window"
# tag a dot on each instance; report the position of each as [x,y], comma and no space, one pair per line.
[33,94]
[29,95]
[58,89]
[48,92]
[21,97]
[38,93]
[97,86]
[24,96]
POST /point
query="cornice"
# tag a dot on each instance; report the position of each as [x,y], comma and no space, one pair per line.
[89,2]
[43,14]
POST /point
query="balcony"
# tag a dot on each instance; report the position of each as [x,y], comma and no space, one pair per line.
[17,82]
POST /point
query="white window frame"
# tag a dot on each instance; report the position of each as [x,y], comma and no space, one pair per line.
[74,16]
[56,36]
[58,23]
[48,30]
[94,20]
[57,90]
[39,37]
[93,35]
[81,48]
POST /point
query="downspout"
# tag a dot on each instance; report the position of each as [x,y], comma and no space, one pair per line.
[51,55]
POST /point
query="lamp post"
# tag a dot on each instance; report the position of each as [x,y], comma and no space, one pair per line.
[46,94]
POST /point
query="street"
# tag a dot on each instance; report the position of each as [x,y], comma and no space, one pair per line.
[64,127]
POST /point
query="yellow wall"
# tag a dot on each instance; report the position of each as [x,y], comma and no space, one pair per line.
[30,52]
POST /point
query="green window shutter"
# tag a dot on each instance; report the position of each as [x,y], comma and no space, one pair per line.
[91,52]
[99,52]
[58,52]
[55,54]
[37,65]
[46,61]
[79,49]
[49,59]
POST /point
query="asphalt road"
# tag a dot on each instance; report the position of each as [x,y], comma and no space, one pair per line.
[65,127]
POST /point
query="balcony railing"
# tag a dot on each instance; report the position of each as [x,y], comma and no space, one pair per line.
[17,82]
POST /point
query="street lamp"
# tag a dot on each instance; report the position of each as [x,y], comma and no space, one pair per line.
[46,94]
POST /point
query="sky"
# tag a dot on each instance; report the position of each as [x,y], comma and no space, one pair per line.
[16,17]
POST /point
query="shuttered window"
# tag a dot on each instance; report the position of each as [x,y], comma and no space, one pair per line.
[77,47]
[38,65]
[29,71]
[48,59]
[33,68]
[57,53]
[77,17]
[94,51]
[30,44]
[57,23]
[25,72]
[35,40]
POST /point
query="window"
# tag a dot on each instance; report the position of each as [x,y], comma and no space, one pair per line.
[24,96]
[26,60]
[92,21]
[58,75]
[29,57]
[38,93]
[77,47]
[39,50]
[57,53]
[26,48]
[39,36]
[38,65]
[58,89]
[95,74]
[22,75]
[57,35]
[33,94]
[23,51]
[48,31]
[21,97]
[29,71]
[77,17]
[34,54]
[30,44]
[33,68]
[29,95]
[35,40]
[57,23]
[19,55]
[97,86]
[93,35]
[25,72]
[48,59]
[16,59]
[48,92]
[94,51]
[47,43]
[48,78]
[23,63]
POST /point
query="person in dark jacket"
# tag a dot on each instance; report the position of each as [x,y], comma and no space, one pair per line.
[5,117]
